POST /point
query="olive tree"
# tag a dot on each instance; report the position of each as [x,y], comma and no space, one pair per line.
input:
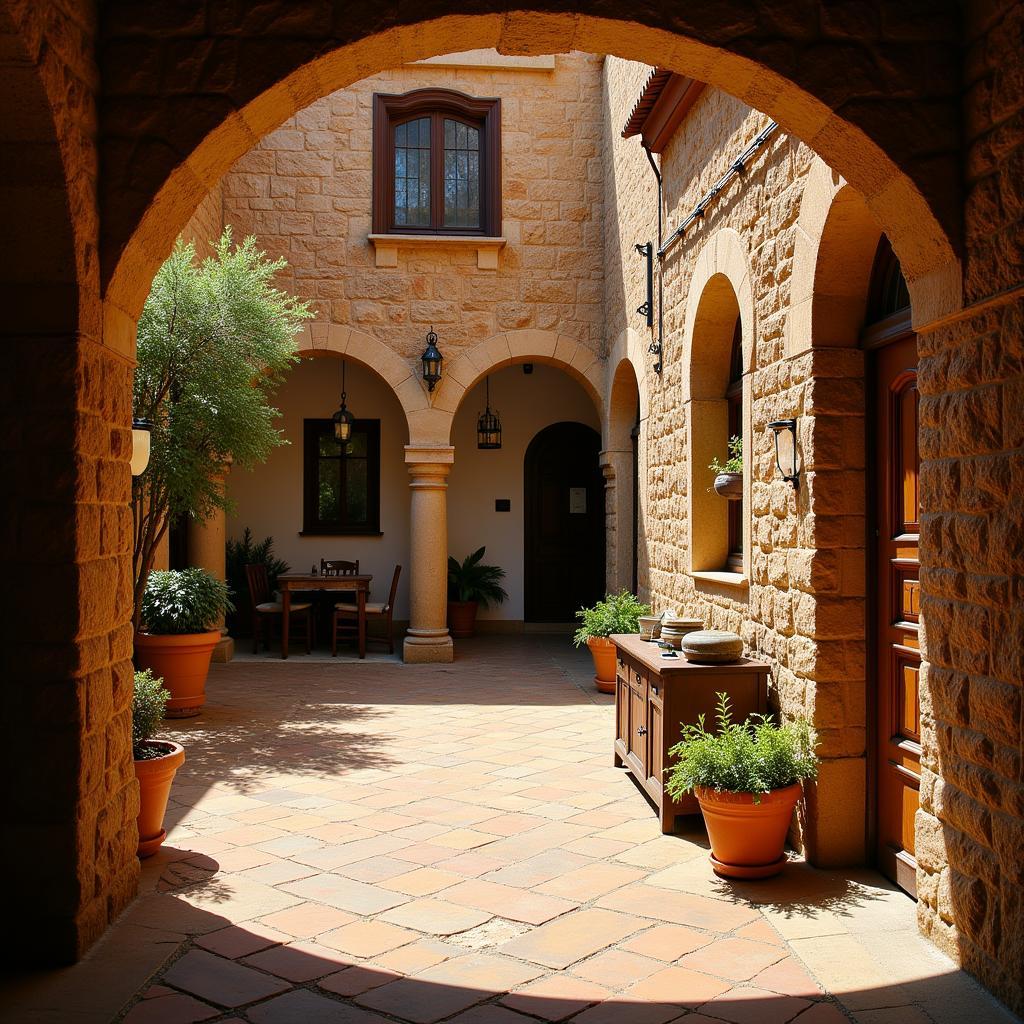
[215,340]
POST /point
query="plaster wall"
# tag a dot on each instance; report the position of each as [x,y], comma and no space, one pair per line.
[527,404]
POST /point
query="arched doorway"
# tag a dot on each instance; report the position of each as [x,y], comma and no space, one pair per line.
[564,549]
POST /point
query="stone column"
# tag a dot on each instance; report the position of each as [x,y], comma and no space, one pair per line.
[205,540]
[428,639]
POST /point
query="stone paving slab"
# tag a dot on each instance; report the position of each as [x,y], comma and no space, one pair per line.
[357,843]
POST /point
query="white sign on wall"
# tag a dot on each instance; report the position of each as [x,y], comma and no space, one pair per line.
[577,501]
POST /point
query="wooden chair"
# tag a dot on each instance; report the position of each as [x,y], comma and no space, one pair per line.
[339,567]
[264,607]
[346,619]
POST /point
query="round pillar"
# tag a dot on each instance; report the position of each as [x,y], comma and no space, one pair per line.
[427,639]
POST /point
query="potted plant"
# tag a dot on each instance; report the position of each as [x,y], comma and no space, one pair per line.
[471,585]
[616,613]
[747,779]
[237,555]
[729,474]
[214,341]
[156,761]
[180,612]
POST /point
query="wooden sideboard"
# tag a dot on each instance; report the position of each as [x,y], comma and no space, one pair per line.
[655,695]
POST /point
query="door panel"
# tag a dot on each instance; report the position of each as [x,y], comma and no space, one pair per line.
[897,595]
[564,542]
[655,719]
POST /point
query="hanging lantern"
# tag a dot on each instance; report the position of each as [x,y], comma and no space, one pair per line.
[488,426]
[432,360]
[141,431]
[785,455]
[343,419]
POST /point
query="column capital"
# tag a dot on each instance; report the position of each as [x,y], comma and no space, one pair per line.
[419,455]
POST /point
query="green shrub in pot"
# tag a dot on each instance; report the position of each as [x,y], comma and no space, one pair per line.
[616,613]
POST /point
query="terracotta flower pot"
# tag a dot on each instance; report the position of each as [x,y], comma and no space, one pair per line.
[183,662]
[747,838]
[155,776]
[729,485]
[462,619]
[603,651]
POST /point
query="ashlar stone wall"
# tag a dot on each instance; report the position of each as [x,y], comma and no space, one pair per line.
[305,192]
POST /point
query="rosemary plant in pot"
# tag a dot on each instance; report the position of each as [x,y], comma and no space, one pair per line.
[156,761]
[747,779]
[471,585]
[181,610]
[616,613]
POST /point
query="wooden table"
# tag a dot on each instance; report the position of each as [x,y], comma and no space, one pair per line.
[291,581]
[653,695]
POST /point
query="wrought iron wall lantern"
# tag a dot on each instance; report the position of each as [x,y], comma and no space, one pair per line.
[343,419]
[488,426]
[790,471]
[432,360]
[141,431]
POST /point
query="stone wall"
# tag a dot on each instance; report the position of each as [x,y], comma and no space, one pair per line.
[305,192]
[970,829]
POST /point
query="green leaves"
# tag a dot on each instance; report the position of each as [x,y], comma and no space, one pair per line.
[183,601]
[214,342]
[149,702]
[472,581]
[734,464]
[617,613]
[755,757]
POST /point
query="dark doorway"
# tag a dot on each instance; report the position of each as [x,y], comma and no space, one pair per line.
[564,542]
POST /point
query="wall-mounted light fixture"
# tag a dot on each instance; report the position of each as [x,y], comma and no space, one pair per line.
[432,360]
[343,419]
[646,309]
[141,431]
[786,462]
[488,426]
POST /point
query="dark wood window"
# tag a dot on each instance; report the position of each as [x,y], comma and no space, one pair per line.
[734,397]
[887,316]
[436,164]
[341,483]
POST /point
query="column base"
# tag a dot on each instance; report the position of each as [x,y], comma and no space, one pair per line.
[428,650]
[224,651]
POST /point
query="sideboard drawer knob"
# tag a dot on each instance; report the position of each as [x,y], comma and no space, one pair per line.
[641,730]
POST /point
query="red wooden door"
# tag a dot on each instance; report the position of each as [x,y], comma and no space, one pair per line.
[896,598]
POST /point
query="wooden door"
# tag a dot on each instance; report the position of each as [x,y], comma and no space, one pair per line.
[564,542]
[896,604]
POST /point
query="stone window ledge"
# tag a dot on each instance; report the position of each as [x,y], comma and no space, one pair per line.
[723,579]
[487,247]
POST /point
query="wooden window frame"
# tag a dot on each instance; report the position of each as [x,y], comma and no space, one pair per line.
[312,429]
[734,399]
[484,114]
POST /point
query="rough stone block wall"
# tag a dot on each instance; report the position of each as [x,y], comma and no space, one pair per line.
[305,192]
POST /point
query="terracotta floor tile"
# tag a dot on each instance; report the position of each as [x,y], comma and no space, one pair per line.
[367,938]
[678,985]
[301,961]
[472,864]
[679,908]
[242,858]
[538,868]
[356,980]
[310,1008]
[173,1008]
[241,939]
[591,846]
[621,1009]
[436,916]
[754,1006]
[788,977]
[570,938]
[761,931]
[463,839]
[735,959]
[827,1013]
[417,956]
[374,869]
[422,881]
[616,968]
[590,881]
[345,894]
[888,1015]
[221,981]
[489,1014]
[511,824]
[308,919]
[424,853]
[556,997]
[667,942]
[278,871]
[508,901]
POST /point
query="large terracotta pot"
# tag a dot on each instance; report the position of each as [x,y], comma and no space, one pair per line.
[603,651]
[155,776]
[183,662]
[462,619]
[747,838]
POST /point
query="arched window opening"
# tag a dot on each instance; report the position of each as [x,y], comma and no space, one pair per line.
[888,307]
[734,399]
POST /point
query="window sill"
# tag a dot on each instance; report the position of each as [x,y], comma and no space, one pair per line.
[723,579]
[487,247]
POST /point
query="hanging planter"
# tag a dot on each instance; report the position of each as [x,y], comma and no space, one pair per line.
[730,486]
[729,474]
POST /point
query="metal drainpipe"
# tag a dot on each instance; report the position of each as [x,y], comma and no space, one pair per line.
[655,348]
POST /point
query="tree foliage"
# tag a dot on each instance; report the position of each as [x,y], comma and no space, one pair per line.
[214,342]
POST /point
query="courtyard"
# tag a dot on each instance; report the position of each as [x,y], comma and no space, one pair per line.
[368,842]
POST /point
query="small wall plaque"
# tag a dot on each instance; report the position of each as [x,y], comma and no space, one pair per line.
[502,504]
[577,501]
